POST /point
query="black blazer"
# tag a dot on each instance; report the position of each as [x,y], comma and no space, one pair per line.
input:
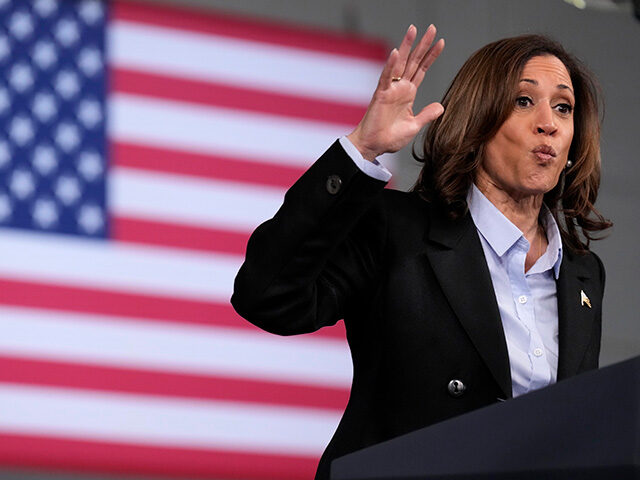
[415,293]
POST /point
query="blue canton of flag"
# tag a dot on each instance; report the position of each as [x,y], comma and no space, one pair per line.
[52,116]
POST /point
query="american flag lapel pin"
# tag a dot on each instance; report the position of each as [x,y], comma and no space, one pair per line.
[584,299]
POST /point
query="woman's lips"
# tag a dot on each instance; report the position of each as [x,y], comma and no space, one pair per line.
[544,152]
[543,156]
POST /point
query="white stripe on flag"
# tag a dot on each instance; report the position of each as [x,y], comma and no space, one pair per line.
[205,129]
[191,201]
[107,341]
[150,420]
[124,267]
[241,63]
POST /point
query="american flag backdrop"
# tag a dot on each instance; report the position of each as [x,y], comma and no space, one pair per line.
[139,147]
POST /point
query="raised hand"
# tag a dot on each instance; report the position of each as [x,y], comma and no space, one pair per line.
[389,123]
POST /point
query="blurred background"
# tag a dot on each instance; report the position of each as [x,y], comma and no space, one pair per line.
[140,144]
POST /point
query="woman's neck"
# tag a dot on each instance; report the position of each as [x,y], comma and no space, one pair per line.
[521,210]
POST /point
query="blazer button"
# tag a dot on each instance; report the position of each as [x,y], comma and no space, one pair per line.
[334,182]
[456,388]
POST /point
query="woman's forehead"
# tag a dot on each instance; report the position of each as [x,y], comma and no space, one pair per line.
[546,68]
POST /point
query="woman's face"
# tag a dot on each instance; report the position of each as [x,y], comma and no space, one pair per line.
[529,151]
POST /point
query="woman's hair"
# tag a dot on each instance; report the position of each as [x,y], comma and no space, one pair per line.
[479,100]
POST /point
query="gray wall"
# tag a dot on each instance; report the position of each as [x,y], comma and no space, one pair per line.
[608,41]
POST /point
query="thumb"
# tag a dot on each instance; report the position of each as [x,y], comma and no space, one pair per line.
[429,113]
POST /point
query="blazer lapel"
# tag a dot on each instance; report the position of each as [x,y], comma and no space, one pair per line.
[456,256]
[574,319]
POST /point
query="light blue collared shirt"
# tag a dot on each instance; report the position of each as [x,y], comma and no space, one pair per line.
[527,300]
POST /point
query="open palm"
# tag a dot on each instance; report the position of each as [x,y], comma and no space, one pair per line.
[389,123]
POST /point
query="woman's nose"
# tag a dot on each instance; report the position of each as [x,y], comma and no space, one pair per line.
[545,122]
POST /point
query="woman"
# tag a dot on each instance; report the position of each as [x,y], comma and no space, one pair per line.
[475,287]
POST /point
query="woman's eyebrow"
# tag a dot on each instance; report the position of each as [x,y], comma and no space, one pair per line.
[561,86]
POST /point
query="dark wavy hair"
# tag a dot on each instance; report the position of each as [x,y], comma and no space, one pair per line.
[479,100]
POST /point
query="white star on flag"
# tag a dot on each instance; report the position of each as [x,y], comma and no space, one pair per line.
[21,25]
[90,165]
[91,218]
[67,32]
[44,106]
[44,54]
[44,159]
[67,84]
[22,184]
[89,61]
[68,189]
[91,11]
[21,77]
[45,213]
[45,7]
[90,113]
[21,130]
[67,136]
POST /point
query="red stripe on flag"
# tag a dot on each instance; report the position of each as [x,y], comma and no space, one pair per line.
[324,41]
[106,457]
[227,96]
[123,304]
[201,165]
[93,377]
[181,236]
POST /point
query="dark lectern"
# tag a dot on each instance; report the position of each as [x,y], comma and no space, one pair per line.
[583,428]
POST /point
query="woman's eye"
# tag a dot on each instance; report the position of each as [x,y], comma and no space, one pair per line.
[564,108]
[523,101]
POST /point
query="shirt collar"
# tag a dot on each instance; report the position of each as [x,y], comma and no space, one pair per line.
[501,234]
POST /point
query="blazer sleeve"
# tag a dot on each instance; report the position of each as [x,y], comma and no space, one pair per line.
[322,247]
[592,357]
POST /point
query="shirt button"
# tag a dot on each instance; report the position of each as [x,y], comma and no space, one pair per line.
[537,352]
[522,299]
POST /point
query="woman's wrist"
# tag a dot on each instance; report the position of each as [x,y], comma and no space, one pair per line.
[367,153]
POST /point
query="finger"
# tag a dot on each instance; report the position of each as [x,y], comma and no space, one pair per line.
[386,75]
[429,113]
[404,50]
[418,54]
[427,61]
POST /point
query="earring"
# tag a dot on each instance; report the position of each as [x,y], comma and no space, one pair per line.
[569,163]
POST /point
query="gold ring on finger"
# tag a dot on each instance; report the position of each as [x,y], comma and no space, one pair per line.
[396,79]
